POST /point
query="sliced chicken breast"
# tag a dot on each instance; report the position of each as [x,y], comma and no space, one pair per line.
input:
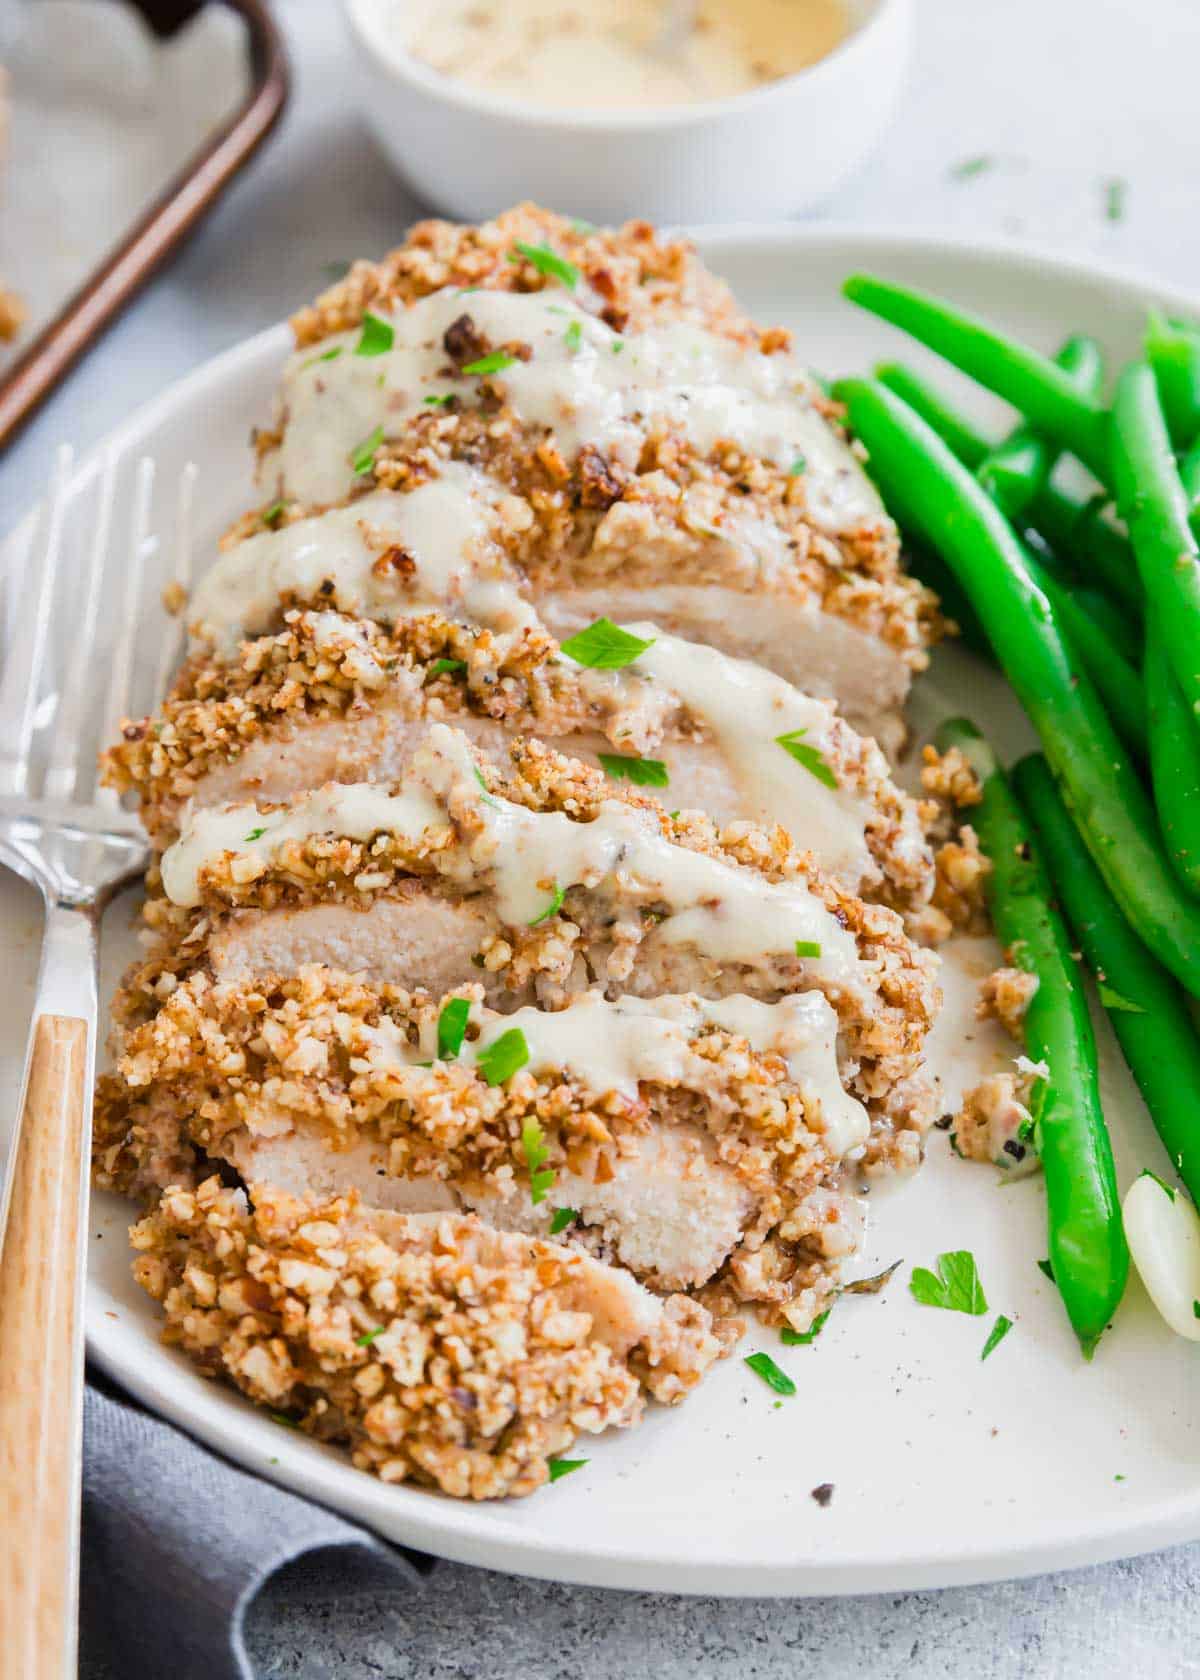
[440,1352]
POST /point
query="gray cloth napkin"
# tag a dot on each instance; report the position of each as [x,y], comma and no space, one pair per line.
[177,1543]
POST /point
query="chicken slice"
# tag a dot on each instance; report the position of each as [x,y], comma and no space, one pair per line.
[440,1352]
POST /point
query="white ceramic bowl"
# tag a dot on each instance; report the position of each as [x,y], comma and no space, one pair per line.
[758,155]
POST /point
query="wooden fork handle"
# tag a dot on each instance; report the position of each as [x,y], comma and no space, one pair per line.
[41,1353]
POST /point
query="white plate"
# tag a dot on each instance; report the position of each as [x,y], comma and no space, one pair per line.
[945,1469]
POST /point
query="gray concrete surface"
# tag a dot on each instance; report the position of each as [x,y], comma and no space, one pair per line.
[1060,96]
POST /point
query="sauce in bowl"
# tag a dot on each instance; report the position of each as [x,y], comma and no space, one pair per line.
[606,54]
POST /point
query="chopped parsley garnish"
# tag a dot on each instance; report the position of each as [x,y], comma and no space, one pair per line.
[804,1338]
[552,909]
[282,1417]
[438,399]
[574,336]
[362,457]
[1114,198]
[765,1367]
[325,356]
[494,363]
[797,467]
[440,667]
[377,336]
[809,757]
[578,225]
[1166,1189]
[618,346]
[487,798]
[970,167]
[1045,1267]
[560,1467]
[604,646]
[254,834]
[955,1286]
[642,772]
[562,1218]
[452,1027]
[1114,1000]
[808,948]
[273,514]
[501,1059]
[547,262]
[368,1337]
[533,1143]
[996,1335]
[1196,1309]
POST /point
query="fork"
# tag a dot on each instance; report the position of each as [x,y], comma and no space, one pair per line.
[72,839]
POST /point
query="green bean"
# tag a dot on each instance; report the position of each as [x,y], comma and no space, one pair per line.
[1154,506]
[1189,477]
[1018,469]
[970,445]
[1174,354]
[1041,390]
[950,511]
[1088,1254]
[1174,761]
[1124,633]
[1148,1011]
[1070,523]
[1117,682]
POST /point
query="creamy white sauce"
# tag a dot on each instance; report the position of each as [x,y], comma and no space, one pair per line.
[358,810]
[603,55]
[584,382]
[747,708]
[614,1046]
[1163,1232]
[444,526]
[726,912]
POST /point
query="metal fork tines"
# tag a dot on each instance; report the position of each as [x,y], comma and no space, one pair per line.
[76,646]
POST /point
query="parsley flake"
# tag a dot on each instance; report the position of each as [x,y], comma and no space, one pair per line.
[560,1467]
[362,457]
[574,336]
[1167,1189]
[618,346]
[500,1059]
[955,1286]
[282,1418]
[273,514]
[438,399]
[996,1335]
[377,336]
[765,1367]
[1114,1000]
[804,1338]
[440,667]
[578,225]
[254,834]
[604,646]
[562,1218]
[808,756]
[487,798]
[1045,1267]
[797,467]
[325,356]
[1114,198]
[495,363]
[808,948]
[547,262]
[452,1027]
[1196,1309]
[969,168]
[533,1142]
[552,909]
[368,1337]
[642,772]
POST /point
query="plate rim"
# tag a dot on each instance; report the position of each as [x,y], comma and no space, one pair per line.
[470,1534]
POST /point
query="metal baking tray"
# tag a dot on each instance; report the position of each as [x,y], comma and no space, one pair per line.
[158,229]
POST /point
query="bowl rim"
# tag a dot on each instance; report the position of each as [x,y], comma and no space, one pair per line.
[404,67]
